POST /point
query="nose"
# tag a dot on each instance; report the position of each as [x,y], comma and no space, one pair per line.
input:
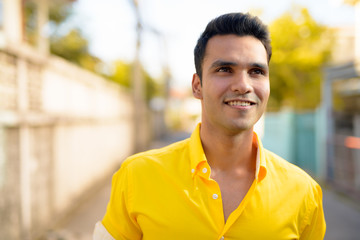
[241,83]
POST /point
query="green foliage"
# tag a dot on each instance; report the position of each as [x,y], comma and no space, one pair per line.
[352,2]
[122,74]
[30,23]
[73,46]
[152,88]
[59,11]
[301,47]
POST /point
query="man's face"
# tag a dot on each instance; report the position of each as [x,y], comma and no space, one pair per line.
[235,83]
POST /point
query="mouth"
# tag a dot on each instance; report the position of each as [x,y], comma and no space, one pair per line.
[239,103]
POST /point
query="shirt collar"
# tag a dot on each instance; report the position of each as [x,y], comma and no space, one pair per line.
[197,155]
[260,172]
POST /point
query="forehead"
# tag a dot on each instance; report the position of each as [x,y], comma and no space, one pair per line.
[235,48]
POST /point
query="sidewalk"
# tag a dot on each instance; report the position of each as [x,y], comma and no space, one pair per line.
[342,215]
[80,225]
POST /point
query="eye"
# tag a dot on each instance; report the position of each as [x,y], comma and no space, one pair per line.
[224,69]
[257,71]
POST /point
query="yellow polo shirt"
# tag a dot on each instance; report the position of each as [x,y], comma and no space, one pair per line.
[168,194]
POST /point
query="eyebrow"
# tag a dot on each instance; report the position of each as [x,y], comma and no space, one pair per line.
[260,65]
[219,63]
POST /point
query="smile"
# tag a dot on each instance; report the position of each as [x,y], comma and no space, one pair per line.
[240,103]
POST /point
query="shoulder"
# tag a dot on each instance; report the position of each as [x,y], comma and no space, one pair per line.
[153,168]
[293,184]
[284,171]
[296,190]
[168,155]
[280,165]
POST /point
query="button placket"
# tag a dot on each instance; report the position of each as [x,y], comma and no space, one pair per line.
[204,170]
[213,195]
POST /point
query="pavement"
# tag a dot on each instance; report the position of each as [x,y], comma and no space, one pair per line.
[80,224]
[342,215]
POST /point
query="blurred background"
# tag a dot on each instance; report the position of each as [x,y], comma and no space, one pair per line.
[86,83]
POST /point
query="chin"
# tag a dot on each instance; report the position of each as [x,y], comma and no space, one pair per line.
[238,128]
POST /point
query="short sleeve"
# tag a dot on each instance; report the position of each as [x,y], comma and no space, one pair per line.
[118,220]
[316,226]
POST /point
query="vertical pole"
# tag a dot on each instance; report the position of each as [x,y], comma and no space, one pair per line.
[357,116]
[42,21]
[25,172]
[13,26]
[140,123]
[357,36]
[327,103]
[356,122]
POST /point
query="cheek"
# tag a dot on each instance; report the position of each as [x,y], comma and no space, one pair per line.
[264,90]
[216,89]
[267,92]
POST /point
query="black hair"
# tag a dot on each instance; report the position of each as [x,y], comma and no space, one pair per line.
[239,24]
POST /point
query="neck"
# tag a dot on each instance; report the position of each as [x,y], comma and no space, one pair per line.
[228,151]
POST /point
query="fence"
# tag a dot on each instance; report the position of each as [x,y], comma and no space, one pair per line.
[297,137]
[62,130]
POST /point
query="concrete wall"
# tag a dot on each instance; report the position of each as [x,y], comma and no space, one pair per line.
[279,134]
[299,138]
[62,130]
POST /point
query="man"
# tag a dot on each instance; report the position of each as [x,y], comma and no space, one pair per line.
[220,183]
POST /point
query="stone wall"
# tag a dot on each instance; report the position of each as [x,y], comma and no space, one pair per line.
[62,130]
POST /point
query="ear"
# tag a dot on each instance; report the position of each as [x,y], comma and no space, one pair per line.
[196,87]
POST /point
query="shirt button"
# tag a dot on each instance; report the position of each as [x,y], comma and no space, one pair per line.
[192,170]
[204,170]
[215,196]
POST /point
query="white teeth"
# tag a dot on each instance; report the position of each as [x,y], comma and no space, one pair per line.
[239,103]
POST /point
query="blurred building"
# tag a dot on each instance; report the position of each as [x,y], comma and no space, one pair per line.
[326,142]
[183,110]
[341,102]
[62,129]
